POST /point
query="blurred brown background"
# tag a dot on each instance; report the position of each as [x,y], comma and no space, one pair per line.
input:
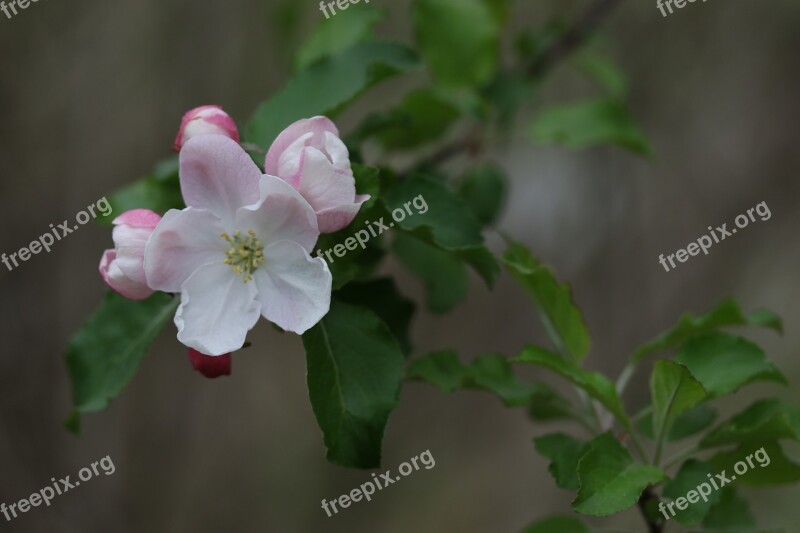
[91,94]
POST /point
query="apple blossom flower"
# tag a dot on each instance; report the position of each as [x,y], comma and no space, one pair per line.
[210,366]
[205,120]
[123,267]
[240,250]
[310,156]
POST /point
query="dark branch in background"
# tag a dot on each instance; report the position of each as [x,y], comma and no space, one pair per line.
[573,38]
[649,496]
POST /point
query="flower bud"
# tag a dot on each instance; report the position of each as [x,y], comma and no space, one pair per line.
[205,120]
[123,267]
[211,366]
[310,156]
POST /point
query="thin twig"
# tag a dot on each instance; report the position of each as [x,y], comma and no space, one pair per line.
[558,50]
[574,37]
[647,496]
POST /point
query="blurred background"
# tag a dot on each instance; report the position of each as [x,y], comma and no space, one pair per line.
[91,95]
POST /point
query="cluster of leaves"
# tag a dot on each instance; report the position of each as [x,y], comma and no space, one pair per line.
[614,469]
[356,356]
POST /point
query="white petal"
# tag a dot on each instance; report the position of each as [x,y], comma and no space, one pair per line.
[294,289]
[322,184]
[335,218]
[130,245]
[281,214]
[337,151]
[289,162]
[181,243]
[309,132]
[218,175]
[217,310]
[116,279]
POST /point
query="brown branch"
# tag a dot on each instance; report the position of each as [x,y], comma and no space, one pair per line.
[647,496]
[557,51]
[574,37]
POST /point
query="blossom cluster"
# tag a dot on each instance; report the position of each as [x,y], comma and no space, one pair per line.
[241,248]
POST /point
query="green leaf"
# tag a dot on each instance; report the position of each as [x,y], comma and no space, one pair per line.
[451,224]
[596,385]
[445,278]
[691,423]
[723,363]
[444,222]
[441,369]
[328,85]
[674,391]
[355,370]
[560,314]
[610,481]
[770,465]
[692,474]
[547,405]
[506,93]
[494,373]
[730,514]
[764,420]
[105,354]
[558,524]
[491,373]
[335,35]
[604,72]
[564,453]
[422,117]
[483,262]
[686,425]
[354,261]
[459,40]
[367,181]
[158,193]
[484,190]
[382,297]
[726,314]
[589,124]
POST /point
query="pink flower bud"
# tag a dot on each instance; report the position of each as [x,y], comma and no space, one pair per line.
[211,366]
[310,156]
[205,120]
[123,267]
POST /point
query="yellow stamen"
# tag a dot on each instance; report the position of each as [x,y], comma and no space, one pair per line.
[245,255]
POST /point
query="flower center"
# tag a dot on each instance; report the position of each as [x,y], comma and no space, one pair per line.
[245,255]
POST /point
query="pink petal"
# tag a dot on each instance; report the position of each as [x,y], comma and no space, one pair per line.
[281,214]
[323,185]
[211,366]
[217,310]
[294,289]
[205,120]
[336,151]
[130,242]
[138,218]
[317,126]
[183,242]
[118,281]
[218,175]
[339,217]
